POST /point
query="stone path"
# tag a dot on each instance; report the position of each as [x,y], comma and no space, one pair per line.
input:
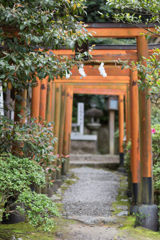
[93,194]
[89,201]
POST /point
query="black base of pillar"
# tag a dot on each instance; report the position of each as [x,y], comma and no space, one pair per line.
[121,158]
[146,190]
[135,192]
[147,216]
[121,163]
[128,193]
[122,170]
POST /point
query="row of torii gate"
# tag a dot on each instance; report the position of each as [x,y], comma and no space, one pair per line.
[55,104]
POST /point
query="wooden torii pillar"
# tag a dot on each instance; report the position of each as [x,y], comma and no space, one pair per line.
[70,122]
[135,147]
[145,131]
[49,102]
[57,113]
[66,133]
[61,128]
[53,103]
[128,117]
[141,151]
[121,130]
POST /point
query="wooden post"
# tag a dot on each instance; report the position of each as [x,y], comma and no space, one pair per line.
[52,115]
[145,130]
[53,102]
[128,117]
[135,148]
[121,129]
[43,98]
[111,131]
[62,121]
[66,132]
[57,112]
[128,133]
[36,100]
[70,122]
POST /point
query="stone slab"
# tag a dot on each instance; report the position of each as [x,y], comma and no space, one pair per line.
[107,158]
[90,220]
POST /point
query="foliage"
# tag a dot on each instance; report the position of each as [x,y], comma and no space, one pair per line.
[93,8]
[113,41]
[16,177]
[17,173]
[136,12]
[28,30]
[156,155]
[32,140]
[127,157]
[155,115]
[140,217]
[38,209]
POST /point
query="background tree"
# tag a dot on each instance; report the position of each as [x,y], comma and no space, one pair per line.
[28,29]
[146,12]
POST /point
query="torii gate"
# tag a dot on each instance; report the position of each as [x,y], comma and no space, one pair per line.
[118,82]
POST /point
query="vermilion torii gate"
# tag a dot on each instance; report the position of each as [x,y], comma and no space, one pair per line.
[55,104]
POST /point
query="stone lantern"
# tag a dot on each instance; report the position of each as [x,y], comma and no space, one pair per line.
[93,115]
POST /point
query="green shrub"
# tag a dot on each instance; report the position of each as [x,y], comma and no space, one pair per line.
[156,155]
[127,157]
[16,177]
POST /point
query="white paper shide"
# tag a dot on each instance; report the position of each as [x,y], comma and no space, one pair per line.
[81,71]
[68,74]
[102,70]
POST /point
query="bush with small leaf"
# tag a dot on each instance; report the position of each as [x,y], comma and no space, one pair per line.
[38,209]
[156,155]
[127,157]
[16,177]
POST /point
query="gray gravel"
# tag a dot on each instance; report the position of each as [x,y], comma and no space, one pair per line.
[92,194]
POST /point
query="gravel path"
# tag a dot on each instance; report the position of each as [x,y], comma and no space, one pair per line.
[93,193]
[89,202]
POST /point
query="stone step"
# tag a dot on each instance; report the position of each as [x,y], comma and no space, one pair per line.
[95,160]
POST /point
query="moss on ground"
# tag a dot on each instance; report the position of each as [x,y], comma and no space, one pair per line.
[139,233]
[120,197]
[26,231]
